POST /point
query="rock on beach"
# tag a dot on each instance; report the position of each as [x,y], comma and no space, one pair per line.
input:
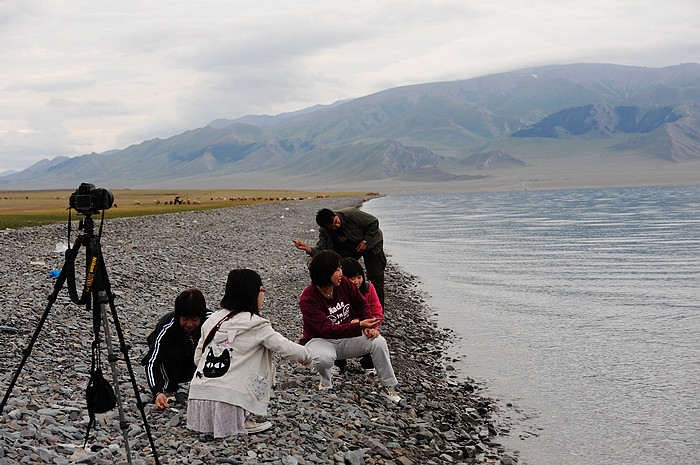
[149,260]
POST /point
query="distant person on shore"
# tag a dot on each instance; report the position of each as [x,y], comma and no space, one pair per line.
[327,306]
[353,270]
[169,360]
[235,370]
[354,233]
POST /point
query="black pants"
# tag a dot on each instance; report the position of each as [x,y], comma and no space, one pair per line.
[375,265]
[365,362]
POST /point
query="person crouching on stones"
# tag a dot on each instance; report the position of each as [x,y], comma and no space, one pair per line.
[327,306]
[235,369]
[353,270]
[169,360]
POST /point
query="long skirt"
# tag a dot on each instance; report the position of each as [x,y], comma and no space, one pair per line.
[216,418]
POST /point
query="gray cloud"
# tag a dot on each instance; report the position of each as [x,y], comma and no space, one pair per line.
[91,75]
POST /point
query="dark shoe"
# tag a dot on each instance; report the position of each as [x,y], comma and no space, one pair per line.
[366,362]
[340,365]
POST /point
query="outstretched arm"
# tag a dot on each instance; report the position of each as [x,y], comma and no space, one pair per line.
[302,246]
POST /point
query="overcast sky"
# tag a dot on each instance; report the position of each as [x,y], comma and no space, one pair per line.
[81,76]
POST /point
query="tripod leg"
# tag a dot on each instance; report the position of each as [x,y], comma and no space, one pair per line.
[28,350]
[101,298]
[125,350]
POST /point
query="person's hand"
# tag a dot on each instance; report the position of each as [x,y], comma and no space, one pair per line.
[305,363]
[371,333]
[370,323]
[361,247]
[301,245]
[161,401]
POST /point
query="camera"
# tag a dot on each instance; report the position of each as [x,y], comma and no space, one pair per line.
[88,199]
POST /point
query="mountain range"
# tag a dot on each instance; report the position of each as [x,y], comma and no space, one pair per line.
[552,126]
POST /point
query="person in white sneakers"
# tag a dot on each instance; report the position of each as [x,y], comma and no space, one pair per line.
[328,307]
[235,370]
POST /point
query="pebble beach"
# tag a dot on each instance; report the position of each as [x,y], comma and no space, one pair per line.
[441,419]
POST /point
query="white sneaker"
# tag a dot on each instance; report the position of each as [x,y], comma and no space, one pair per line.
[254,427]
[390,394]
[371,371]
[323,387]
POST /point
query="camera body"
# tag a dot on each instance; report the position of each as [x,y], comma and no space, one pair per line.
[88,199]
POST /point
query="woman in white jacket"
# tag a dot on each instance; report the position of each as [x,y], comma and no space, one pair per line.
[234,358]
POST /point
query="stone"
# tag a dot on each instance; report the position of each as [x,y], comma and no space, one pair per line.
[353,457]
[149,261]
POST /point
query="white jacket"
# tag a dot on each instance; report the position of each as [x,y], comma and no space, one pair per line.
[236,367]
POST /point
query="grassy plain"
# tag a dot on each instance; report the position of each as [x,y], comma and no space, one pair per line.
[39,207]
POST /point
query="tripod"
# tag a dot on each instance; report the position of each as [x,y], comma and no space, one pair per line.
[97,296]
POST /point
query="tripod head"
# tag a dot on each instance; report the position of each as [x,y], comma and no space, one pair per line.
[87,225]
[86,200]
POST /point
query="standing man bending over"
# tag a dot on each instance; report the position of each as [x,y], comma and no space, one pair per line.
[352,233]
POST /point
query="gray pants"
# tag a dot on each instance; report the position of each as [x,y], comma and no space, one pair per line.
[325,351]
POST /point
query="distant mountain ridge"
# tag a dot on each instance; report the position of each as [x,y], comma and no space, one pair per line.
[603,120]
[7,172]
[535,123]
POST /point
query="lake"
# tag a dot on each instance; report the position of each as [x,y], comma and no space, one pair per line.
[581,308]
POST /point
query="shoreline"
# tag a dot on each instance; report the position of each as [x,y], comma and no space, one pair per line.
[149,261]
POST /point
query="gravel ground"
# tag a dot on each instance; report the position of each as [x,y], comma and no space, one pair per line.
[150,260]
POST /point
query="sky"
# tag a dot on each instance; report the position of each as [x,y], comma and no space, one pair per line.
[83,76]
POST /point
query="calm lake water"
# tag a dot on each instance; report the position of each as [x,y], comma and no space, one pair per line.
[579,307]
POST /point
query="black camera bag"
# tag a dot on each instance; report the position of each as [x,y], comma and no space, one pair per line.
[99,394]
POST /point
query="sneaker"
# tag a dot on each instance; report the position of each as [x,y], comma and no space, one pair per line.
[323,387]
[371,371]
[390,394]
[254,427]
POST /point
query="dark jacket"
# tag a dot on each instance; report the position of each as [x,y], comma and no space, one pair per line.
[170,358]
[355,226]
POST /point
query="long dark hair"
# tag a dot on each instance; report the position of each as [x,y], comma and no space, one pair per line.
[322,267]
[242,289]
[352,268]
